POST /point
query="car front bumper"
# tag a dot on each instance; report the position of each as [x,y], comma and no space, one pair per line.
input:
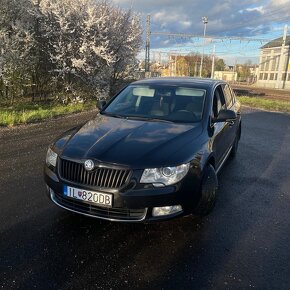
[130,205]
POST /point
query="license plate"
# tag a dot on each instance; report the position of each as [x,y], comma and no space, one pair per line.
[94,197]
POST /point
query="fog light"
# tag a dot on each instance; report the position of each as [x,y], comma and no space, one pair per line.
[166,210]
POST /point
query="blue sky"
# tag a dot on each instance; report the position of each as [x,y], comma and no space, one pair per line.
[243,18]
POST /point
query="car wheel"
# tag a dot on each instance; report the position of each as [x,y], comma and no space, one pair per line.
[209,187]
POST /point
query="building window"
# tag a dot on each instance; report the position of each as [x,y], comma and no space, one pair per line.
[288,77]
[263,63]
[273,66]
[271,77]
[267,63]
[276,75]
[265,77]
[261,76]
[277,62]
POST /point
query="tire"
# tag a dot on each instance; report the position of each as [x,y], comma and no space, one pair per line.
[209,186]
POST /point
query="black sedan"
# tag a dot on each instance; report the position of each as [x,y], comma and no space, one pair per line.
[152,153]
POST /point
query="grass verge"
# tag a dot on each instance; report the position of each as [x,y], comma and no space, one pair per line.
[266,104]
[29,113]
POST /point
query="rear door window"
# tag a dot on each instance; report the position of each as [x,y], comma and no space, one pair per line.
[228,96]
[218,101]
[233,96]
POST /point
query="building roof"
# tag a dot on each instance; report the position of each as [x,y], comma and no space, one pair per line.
[277,42]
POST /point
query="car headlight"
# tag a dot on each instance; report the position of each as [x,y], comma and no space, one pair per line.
[164,176]
[51,157]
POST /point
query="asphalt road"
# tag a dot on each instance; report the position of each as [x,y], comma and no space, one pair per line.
[244,243]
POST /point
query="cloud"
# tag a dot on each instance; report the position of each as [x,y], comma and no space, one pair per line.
[279,3]
[260,9]
[185,16]
[243,18]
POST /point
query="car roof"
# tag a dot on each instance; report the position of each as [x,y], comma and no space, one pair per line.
[179,81]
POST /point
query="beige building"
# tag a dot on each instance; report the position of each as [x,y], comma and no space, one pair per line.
[274,66]
[228,76]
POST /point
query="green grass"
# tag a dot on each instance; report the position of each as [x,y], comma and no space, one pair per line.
[24,113]
[28,113]
[266,104]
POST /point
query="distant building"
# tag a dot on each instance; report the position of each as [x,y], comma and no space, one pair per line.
[270,57]
[254,70]
[230,67]
[228,76]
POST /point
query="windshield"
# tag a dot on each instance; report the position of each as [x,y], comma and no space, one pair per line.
[175,104]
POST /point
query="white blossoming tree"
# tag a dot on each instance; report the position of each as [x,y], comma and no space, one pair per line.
[16,42]
[90,42]
[76,47]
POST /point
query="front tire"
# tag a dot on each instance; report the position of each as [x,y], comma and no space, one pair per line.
[209,186]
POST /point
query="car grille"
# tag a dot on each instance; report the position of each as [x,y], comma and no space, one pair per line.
[99,177]
[121,214]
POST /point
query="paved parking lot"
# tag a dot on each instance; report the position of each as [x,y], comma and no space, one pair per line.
[242,244]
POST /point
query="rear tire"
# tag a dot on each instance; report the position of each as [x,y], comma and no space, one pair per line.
[209,187]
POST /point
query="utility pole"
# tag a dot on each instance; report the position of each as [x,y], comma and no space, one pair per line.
[280,84]
[205,22]
[171,64]
[235,71]
[175,65]
[212,63]
[147,47]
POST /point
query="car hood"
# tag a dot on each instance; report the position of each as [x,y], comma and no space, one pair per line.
[134,143]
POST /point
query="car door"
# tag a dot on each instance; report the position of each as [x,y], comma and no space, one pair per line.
[230,105]
[221,129]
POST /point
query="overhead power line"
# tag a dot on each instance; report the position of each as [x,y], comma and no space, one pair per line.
[266,16]
[184,35]
[211,37]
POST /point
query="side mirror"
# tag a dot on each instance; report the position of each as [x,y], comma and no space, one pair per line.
[100,104]
[225,116]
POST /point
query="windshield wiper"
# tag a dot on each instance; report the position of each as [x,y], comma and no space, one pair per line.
[159,120]
[136,118]
[113,115]
[148,119]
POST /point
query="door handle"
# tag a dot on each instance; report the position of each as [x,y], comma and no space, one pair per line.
[231,123]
